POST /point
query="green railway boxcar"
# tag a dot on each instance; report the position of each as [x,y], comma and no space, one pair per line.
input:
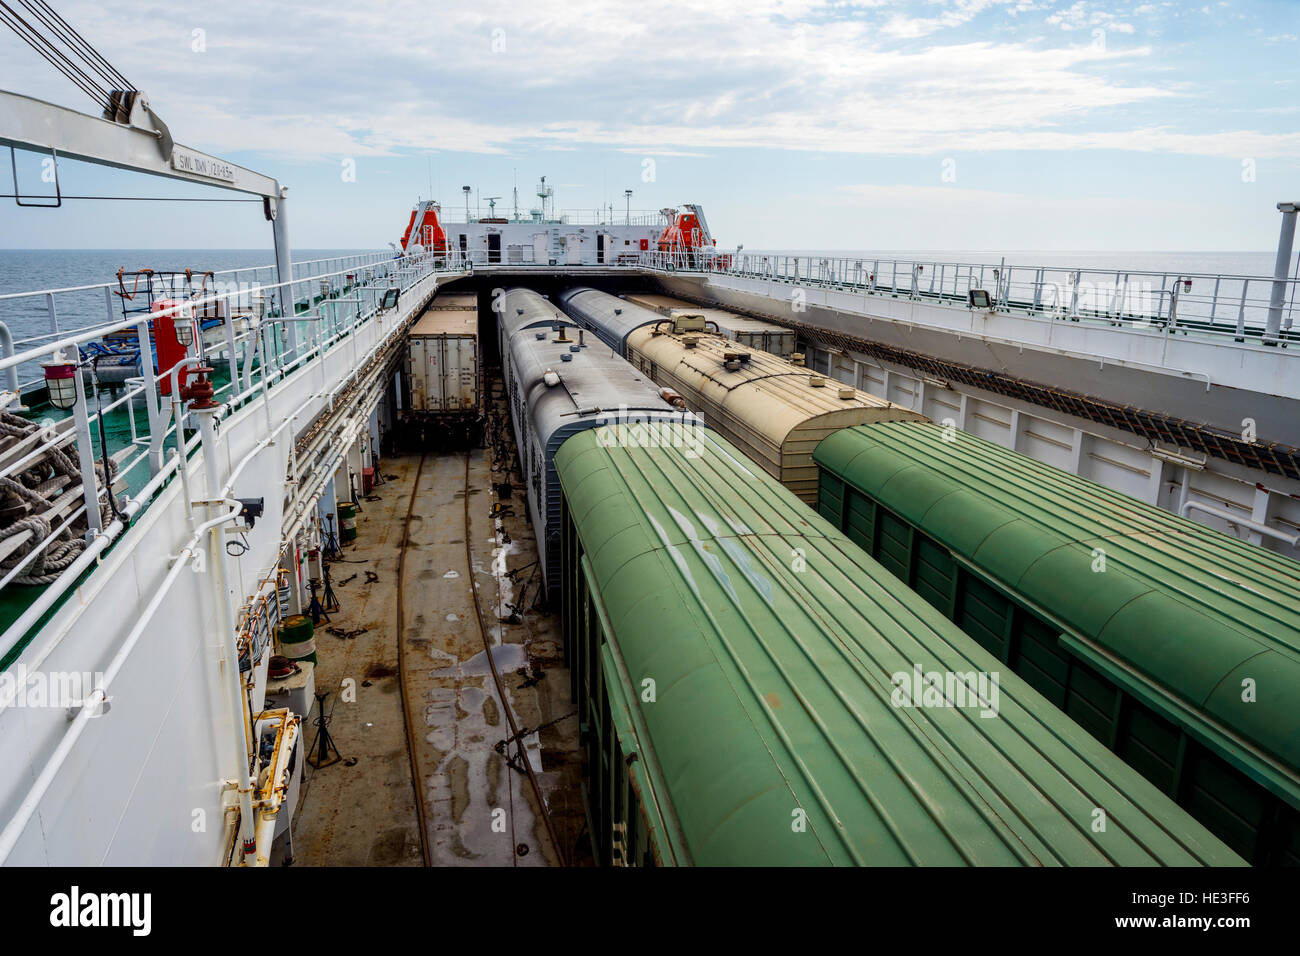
[747,678]
[1173,644]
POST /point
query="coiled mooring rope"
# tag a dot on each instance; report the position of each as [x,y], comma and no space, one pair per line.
[39,486]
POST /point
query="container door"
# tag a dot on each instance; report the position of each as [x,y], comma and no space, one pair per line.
[470,376]
[433,374]
[419,374]
[451,374]
[465,379]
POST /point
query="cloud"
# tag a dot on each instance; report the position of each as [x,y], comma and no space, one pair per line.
[953,217]
[1081,16]
[679,78]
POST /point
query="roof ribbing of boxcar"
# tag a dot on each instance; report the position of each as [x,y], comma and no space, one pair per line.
[1182,614]
[771,640]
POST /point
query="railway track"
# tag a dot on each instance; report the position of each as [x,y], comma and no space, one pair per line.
[450,747]
[412,756]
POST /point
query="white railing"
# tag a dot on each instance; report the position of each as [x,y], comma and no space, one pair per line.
[1213,304]
[57,312]
[253,353]
[577,217]
[555,257]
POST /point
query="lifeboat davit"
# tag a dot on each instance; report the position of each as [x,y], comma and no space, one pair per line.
[424,229]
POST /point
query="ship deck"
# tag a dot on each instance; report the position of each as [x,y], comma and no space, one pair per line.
[424,775]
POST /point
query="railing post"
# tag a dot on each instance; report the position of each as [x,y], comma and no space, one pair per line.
[1241,312]
[151,408]
[1281,269]
[86,458]
[284,267]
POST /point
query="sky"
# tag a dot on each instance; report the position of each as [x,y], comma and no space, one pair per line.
[797,124]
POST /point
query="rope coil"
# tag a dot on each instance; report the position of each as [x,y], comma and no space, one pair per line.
[38,487]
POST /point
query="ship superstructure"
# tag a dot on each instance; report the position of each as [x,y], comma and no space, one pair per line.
[545,238]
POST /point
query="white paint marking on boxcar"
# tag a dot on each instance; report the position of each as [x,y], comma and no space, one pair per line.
[676,555]
[710,560]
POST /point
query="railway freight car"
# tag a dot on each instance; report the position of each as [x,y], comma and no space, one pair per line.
[444,394]
[1176,646]
[558,385]
[771,409]
[741,329]
[754,689]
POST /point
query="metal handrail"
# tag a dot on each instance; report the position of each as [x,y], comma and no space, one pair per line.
[1235,305]
[370,258]
[569,217]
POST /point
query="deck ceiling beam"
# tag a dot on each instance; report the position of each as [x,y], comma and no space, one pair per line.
[28,123]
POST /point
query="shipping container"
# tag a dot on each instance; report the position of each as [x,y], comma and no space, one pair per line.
[443,370]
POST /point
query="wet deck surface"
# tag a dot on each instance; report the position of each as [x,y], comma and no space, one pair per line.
[478,810]
[363,814]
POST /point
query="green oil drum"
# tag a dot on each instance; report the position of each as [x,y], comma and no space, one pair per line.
[347,521]
[296,638]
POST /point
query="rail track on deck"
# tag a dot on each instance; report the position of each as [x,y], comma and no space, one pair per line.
[411,751]
[415,728]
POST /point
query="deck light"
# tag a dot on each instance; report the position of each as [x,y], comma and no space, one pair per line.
[60,381]
[979,299]
[184,332]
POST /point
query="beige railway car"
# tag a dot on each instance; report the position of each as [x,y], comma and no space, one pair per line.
[773,410]
[743,330]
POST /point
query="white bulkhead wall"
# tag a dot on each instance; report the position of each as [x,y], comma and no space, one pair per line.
[540,242]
